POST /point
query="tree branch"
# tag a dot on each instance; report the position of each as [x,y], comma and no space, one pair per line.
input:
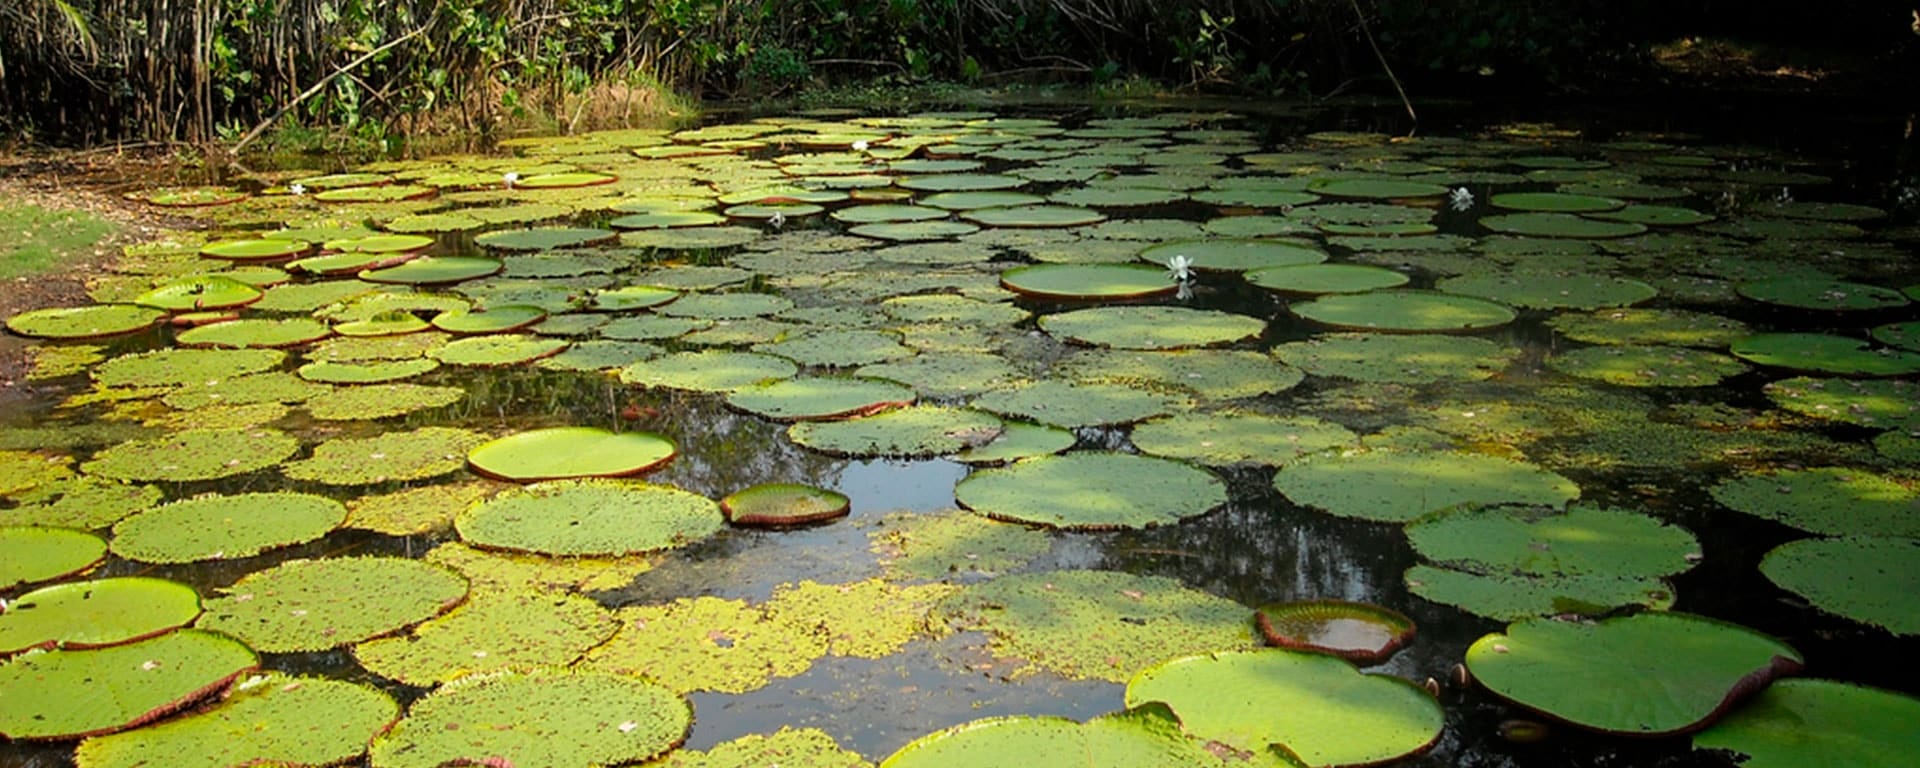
[307,94]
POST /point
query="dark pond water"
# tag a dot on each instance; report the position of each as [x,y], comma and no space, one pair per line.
[1656,450]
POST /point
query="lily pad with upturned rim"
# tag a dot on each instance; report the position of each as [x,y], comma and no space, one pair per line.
[1087,281]
[1871,580]
[366,373]
[1405,310]
[1152,327]
[255,333]
[1148,736]
[73,693]
[820,398]
[494,320]
[92,614]
[595,517]
[780,505]
[255,250]
[219,527]
[540,717]
[30,554]
[433,270]
[1649,674]
[271,719]
[1362,633]
[380,401]
[88,322]
[1094,490]
[570,452]
[199,454]
[1400,486]
[314,605]
[1315,279]
[1798,723]
[176,367]
[708,371]
[1072,404]
[911,431]
[1513,596]
[1825,353]
[204,292]
[1236,254]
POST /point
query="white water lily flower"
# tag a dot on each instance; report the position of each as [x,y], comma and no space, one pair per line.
[1185,292]
[860,146]
[777,220]
[297,189]
[1460,199]
[1180,268]
[510,177]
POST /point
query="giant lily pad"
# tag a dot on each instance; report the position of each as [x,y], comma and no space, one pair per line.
[1152,327]
[1092,491]
[392,456]
[1649,674]
[314,605]
[561,452]
[1832,295]
[708,644]
[1413,311]
[256,332]
[789,747]
[922,430]
[1212,374]
[91,614]
[838,349]
[1878,403]
[1101,625]
[1315,279]
[782,504]
[71,693]
[1795,723]
[1582,540]
[550,718]
[30,554]
[499,350]
[1825,353]
[175,367]
[491,631]
[1559,225]
[708,371]
[268,719]
[1236,255]
[1376,189]
[1647,366]
[225,527]
[1868,579]
[1388,358]
[196,454]
[200,293]
[820,398]
[433,270]
[256,250]
[1399,486]
[1515,596]
[380,401]
[1362,633]
[91,321]
[1318,706]
[1827,500]
[1234,437]
[1070,404]
[590,518]
[1148,736]
[1087,281]
[495,320]
[1672,327]
[543,238]
[1533,290]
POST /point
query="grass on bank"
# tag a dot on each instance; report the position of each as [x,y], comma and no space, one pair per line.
[38,241]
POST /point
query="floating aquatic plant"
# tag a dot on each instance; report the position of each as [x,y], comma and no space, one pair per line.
[567,452]
[707,644]
[1092,491]
[412,455]
[314,605]
[216,527]
[491,631]
[590,518]
[1811,722]
[196,454]
[34,554]
[91,614]
[546,717]
[1870,579]
[1399,486]
[271,718]
[67,694]
[1361,633]
[1148,736]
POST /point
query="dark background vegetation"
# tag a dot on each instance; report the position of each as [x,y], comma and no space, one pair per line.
[91,71]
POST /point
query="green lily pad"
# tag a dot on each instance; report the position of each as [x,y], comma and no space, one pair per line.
[197,196]
[1092,491]
[1115,196]
[779,505]
[91,614]
[79,502]
[197,454]
[1559,225]
[566,452]
[392,456]
[1400,486]
[1647,366]
[1018,440]
[1672,327]
[247,389]
[218,527]
[255,333]
[1871,580]
[1376,189]
[590,518]
[1362,633]
[1403,310]
[1881,403]
[690,238]
[270,719]
[1149,736]
[838,349]
[1831,295]
[22,470]
[200,293]
[494,320]
[1399,359]
[1833,501]
[1824,353]
[491,631]
[384,193]
[1087,281]
[255,250]
[564,180]
[366,373]
[1512,596]
[1071,404]
[1099,625]
[314,605]
[513,571]
[1315,279]
[727,306]
[1034,216]
[543,239]
[708,644]
[1657,216]
[414,511]
[1238,437]
[176,367]
[632,297]
[563,719]
[600,355]
[1583,540]
[934,547]
[1817,722]
[914,230]
[88,322]
[34,554]
[968,201]
[433,270]
[1649,674]
[1903,335]
[820,398]
[1318,706]
[1531,290]
[1211,374]
[708,371]
[789,747]
[1235,255]
[1555,201]
[960,182]
[1152,327]
[498,350]
[948,308]
[912,431]
[71,693]
[381,401]
[888,212]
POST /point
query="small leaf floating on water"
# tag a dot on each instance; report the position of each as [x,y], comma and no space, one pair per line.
[1524,731]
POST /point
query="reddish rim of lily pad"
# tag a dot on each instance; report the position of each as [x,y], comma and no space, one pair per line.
[1362,633]
[783,505]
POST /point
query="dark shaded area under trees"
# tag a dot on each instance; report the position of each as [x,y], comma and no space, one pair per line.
[90,71]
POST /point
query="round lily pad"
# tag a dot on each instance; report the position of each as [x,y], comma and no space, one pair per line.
[1411,311]
[1100,625]
[960,182]
[225,527]
[633,297]
[563,452]
[195,197]
[564,180]
[380,401]
[915,230]
[91,614]
[1236,437]
[1315,279]
[1390,358]
[1903,335]
[1506,596]
[543,239]
[1152,327]
[1797,723]
[1235,254]
[727,306]
[1376,189]
[1559,225]
[1656,216]
[820,398]
[1583,540]
[498,350]
[175,367]
[590,517]
[255,250]
[1647,366]
[1361,633]
[200,293]
[494,320]
[383,193]
[30,554]
[1648,674]
[66,694]
[1072,404]
[256,333]
[1034,216]
[25,470]
[555,718]
[1087,281]
[1318,706]
[838,349]
[1871,580]
[912,431]
[492,631]
[1149,736]
[1554,201]
[1673,327]
[366,373]
[1399,486]
[198,454]
[1825,353]
[88,322]
[431,270]
[1092,491]
[1018,440]
[1532,290]
[1831,295]
[314,605]
[1880,403]
[392,456]
[1212,374]
[779,505]
[708,371]
[270,719]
